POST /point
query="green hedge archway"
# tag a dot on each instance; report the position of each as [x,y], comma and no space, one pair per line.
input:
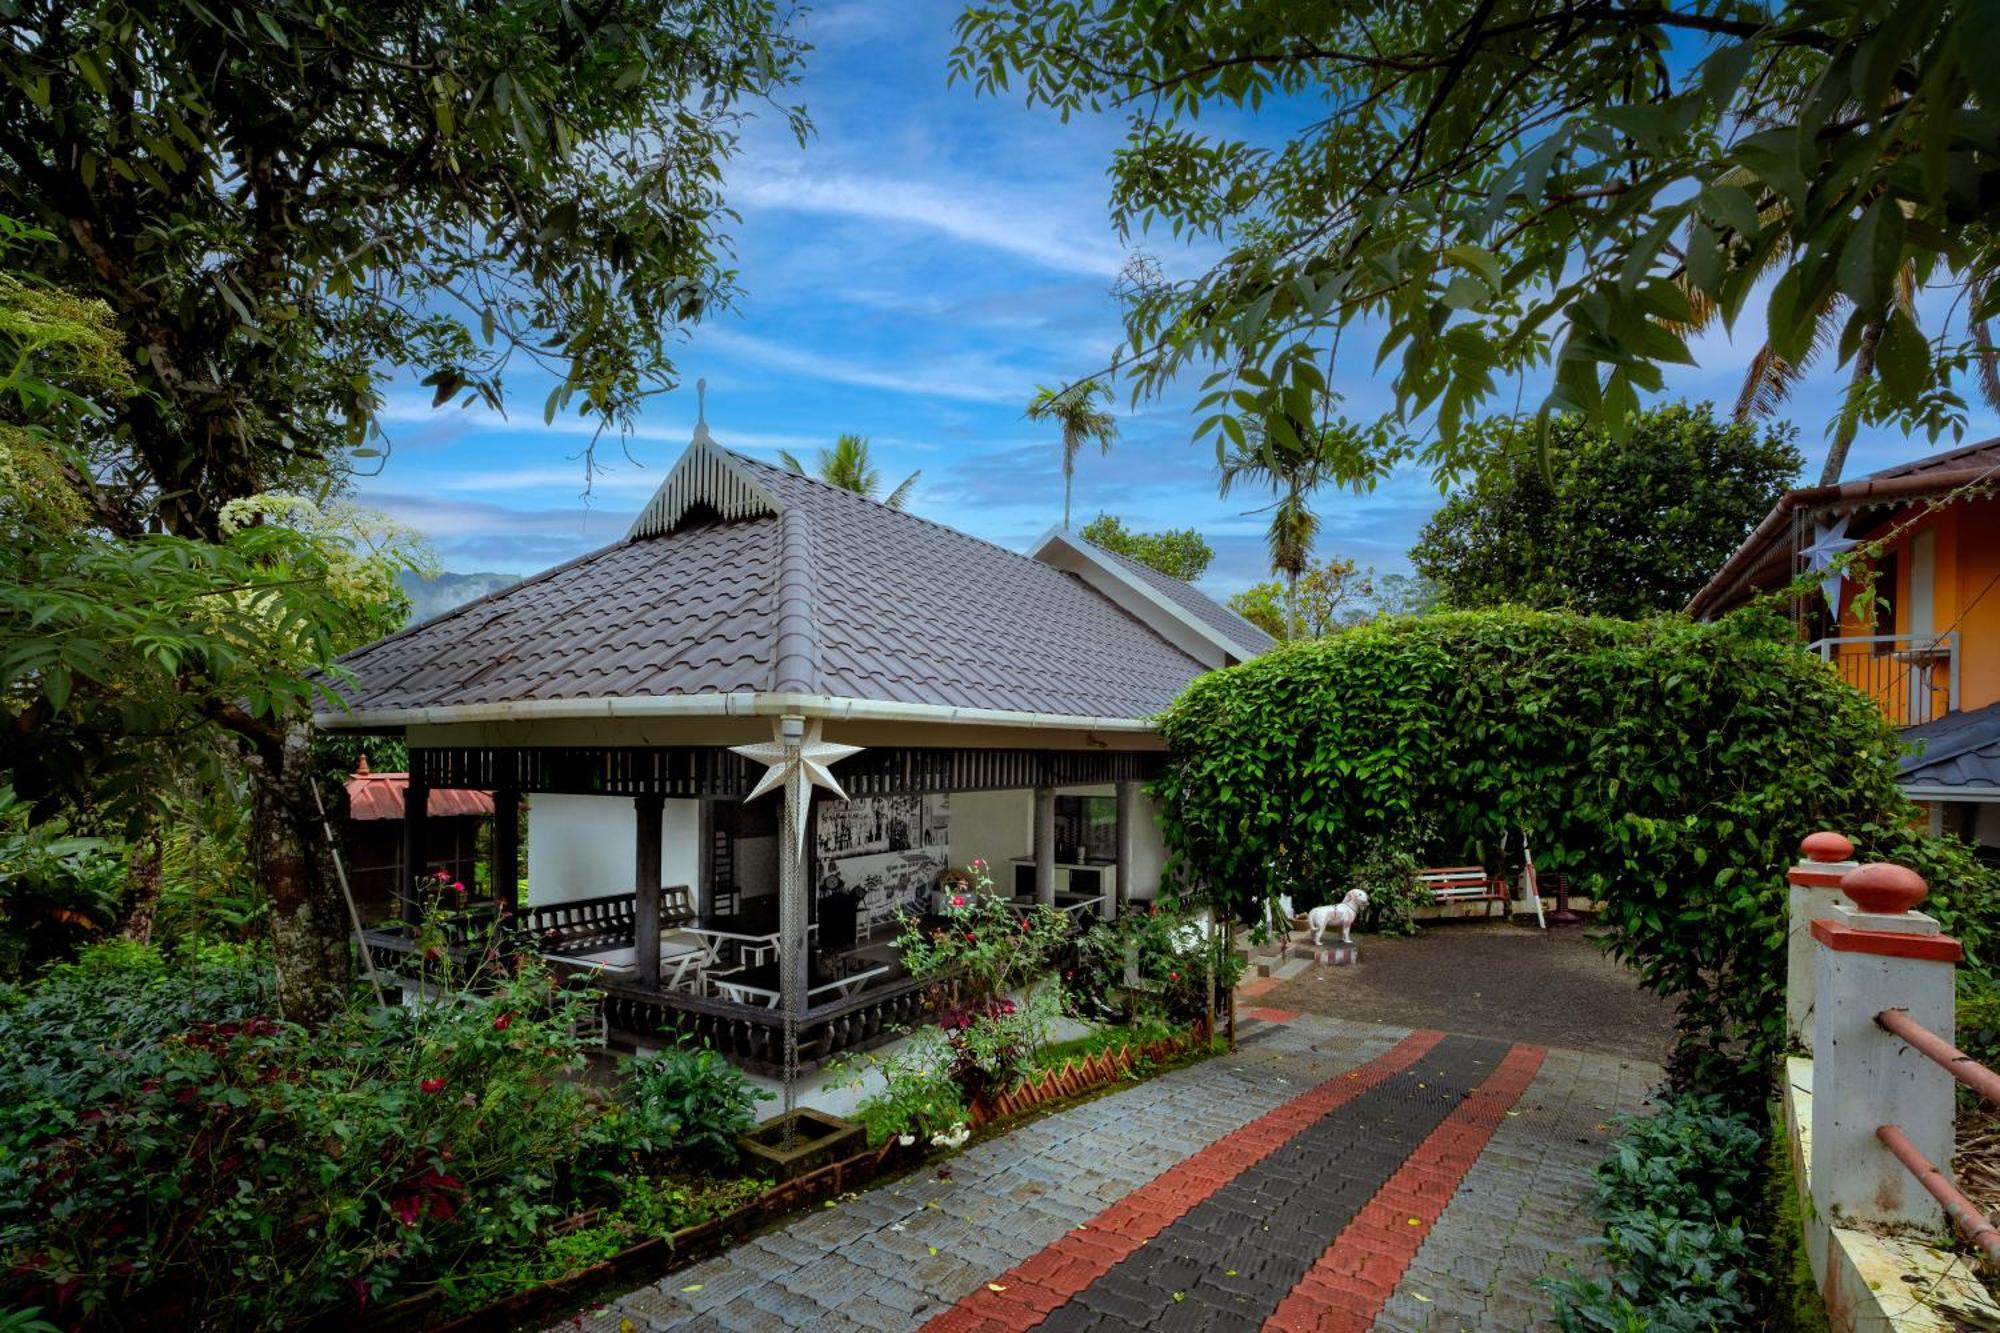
[1670,768]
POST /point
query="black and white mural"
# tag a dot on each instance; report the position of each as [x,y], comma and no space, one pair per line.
[886,850]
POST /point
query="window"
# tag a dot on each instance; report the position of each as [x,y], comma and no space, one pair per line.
[1086,828]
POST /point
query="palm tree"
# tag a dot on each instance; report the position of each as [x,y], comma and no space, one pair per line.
[1293,471]
[1770,378]
[848,466]
[1075,409]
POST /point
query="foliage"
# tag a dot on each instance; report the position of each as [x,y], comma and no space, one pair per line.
[1075,411]
[166,1151]
[1179,553]
[985,949]
[848,466]
[549,200]
[89,1031]
[57,891]
[1604,524]
[1168,950]
[1670,769]
[919,1097]
[690,1101]
[1328,595]
[1675,1197]
[1145,1029]
[1481,189]
[1387,873]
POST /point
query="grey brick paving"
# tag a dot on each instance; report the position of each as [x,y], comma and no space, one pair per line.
[868,1263]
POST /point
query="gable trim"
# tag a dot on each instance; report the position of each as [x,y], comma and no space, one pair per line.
[705,475]
[1190,633]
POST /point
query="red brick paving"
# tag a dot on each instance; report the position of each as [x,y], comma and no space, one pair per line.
[1025,1295]
[1347,1288]
[1271,1015]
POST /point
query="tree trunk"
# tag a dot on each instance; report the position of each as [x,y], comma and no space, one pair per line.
[1850,410]
[308,924]
[144,869]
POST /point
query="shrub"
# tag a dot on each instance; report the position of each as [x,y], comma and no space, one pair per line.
[1670,769]
[919,1099]
[57,890]
[88,1032]
[250,1171]
[1388,874]
[1173,953]
[690,1101]
[1674,1195]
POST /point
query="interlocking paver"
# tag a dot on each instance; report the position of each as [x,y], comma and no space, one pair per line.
[1244,1187]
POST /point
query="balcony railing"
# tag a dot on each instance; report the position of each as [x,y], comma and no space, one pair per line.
[1913,678]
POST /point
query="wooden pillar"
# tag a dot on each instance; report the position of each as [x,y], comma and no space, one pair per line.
[704,856]
[416,843]
[504,873]
[1130,812]
[646,916]
[1045,845]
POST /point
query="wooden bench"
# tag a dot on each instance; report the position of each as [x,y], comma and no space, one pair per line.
[587,925]
[1465,884]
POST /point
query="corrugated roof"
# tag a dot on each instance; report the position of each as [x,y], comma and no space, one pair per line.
[1193,600]
[834,594]
[373,796]
[1958,750]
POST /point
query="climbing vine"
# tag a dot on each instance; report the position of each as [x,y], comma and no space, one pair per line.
[1669,768]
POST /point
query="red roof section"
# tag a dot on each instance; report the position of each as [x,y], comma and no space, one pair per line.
[380,796]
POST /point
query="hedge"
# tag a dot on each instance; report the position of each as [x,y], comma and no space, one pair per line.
[1669,768]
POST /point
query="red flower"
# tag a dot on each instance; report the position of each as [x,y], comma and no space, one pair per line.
[1173,976]
[457,887]
[971,938]
[958,900]
[432,1085]
[407,1208]
[502,1023]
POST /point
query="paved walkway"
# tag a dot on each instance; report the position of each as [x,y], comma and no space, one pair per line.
[1328,1175]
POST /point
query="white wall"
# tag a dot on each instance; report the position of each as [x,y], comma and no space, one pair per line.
[587,846]
[995,827]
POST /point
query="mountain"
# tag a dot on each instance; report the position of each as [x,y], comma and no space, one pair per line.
[434,597]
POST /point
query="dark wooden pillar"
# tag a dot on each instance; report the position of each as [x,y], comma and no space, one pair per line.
[505,869]
[1045,845]
[704,856]
[416,843]
[646,917]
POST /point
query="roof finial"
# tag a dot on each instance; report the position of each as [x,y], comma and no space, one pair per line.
[701,434]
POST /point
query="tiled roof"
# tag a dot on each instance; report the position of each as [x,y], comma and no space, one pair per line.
[834,594]
[1194,601]
[1958,750]
[372,796]
[1985,453]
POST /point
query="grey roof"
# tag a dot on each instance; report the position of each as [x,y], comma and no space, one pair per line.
[1957,750]
[1192,600]
[819,592]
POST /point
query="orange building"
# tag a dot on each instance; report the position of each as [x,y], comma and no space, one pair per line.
[1916,625]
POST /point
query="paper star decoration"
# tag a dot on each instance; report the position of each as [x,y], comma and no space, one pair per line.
[796,771]
[1830,541]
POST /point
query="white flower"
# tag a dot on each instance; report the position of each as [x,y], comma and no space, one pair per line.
[906,1139]
[954,1137]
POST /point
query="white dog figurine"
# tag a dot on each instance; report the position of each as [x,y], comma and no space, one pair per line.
[1343,914]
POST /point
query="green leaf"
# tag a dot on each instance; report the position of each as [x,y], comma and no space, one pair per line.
[1903,358]
[1872,255]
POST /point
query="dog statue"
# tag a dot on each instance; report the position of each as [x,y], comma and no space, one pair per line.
[1342,914]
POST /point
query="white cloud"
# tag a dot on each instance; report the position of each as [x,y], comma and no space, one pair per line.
[1053,237]
[975,379]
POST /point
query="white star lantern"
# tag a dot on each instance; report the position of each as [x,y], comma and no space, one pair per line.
[796,770]
[1830,541]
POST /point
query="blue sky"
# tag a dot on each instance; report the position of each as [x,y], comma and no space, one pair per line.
[911,275]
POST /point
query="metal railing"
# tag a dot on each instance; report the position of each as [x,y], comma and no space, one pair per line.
[1913,678]
[1965,1216]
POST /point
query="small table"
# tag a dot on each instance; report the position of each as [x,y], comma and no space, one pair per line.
[761,986]
[677,957]
[754,934]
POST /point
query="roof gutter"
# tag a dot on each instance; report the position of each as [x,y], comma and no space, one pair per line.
[828,707]
[1856,493]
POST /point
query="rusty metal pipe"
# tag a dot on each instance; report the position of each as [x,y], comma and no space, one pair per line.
[1955,1062]
[1965,1216]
